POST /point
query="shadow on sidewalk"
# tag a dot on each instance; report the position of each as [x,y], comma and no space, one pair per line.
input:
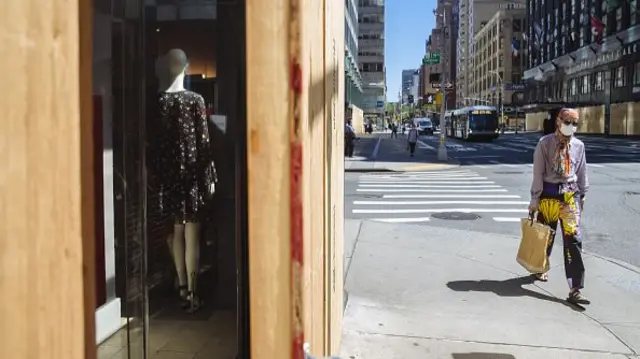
[507,288]
[482,356]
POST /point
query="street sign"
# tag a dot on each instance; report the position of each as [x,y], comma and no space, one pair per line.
[431,59]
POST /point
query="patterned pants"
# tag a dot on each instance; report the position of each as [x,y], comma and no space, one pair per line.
[565,208]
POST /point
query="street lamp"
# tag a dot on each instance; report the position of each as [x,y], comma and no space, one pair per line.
[500,83]
[442,148]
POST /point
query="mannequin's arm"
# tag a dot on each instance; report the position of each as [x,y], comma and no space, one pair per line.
[205,155]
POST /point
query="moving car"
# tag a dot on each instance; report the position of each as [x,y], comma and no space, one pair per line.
[425,126]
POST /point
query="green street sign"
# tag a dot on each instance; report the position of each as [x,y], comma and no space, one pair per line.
[431,59]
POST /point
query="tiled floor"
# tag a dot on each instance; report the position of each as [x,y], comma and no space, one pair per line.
[212,339]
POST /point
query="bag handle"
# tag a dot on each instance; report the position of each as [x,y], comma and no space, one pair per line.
[532,218]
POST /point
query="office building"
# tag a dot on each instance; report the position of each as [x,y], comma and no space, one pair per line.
[371,56]
[498,64]
[408,83]
[353,78]
[472,15]
[440,42]
[585,53]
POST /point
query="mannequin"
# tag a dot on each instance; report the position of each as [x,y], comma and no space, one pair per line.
[182,164]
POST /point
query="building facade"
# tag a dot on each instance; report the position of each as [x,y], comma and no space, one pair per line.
[472,15]
[371,56]
[498,64]
[441,41]
[586,54]
[352,76]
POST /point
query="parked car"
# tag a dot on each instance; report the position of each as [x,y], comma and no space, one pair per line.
[425,126]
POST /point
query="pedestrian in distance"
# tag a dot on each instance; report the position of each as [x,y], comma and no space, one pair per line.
[394,130]
[349,139]
[412,139]
[557,195]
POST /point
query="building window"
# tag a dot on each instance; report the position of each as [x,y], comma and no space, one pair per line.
[618,76]
[599,81]
[585,85]
[372,67]
[619,18]
[633,9]
[573,88]
[636,73]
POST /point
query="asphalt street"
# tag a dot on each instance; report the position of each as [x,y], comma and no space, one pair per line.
[489,191]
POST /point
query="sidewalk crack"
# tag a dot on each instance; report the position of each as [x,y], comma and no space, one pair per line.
[450,340]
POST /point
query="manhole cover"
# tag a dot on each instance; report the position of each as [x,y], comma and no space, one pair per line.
[456,216]
[508,172]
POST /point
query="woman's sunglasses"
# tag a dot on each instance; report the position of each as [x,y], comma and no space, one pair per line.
[570,122]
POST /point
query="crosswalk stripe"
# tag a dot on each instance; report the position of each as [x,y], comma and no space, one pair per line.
[436,186]
[438,210]
[416,190]
[506,219]
[422,203]
[450,196]
[429,182]
[402,220]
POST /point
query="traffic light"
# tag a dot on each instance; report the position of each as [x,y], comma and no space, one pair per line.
[410,98]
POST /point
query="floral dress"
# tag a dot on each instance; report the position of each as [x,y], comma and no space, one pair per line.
[180,159]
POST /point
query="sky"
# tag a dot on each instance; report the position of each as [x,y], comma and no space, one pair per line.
[408,24]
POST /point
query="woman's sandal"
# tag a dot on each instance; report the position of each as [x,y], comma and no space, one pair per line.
[184,296]
[576,297]
[194,303]
[543,277]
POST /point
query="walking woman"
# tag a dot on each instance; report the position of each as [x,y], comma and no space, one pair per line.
[557,194]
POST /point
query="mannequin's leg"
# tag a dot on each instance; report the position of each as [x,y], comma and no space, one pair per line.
[178,249]
[192,253]
[192,238]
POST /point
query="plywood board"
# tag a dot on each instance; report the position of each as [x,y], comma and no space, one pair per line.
[46,182]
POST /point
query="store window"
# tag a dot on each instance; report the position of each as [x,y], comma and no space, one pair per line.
[636,73]
[584,89]
[599,81]
[168,86]
[619,76]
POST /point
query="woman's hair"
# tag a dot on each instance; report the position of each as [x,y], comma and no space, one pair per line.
[549,124]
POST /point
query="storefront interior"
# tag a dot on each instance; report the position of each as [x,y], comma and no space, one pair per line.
[169,287]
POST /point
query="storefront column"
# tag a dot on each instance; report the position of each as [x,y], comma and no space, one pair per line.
[46,182]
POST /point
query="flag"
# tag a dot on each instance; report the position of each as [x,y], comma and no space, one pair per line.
[597,28]
[515,47]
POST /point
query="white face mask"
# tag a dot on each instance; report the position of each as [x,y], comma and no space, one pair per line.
[568,130]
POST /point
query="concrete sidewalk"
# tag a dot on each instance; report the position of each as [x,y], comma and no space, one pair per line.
[432,292]
[391,155]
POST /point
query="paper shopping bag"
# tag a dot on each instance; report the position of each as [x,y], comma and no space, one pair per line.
[532,254]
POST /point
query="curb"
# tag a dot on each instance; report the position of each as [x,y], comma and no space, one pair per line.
[619,263]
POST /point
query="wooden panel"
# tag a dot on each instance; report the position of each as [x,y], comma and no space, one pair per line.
[46,184]
[268,108]
[334,98]
[315,244]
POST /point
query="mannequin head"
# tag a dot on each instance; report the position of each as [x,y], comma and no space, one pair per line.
[176,62]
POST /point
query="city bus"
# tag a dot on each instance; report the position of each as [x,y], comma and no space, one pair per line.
[473,122]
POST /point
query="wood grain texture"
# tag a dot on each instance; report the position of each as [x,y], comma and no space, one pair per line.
[334,172]
[268,109]
[46,182]
[271,137]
